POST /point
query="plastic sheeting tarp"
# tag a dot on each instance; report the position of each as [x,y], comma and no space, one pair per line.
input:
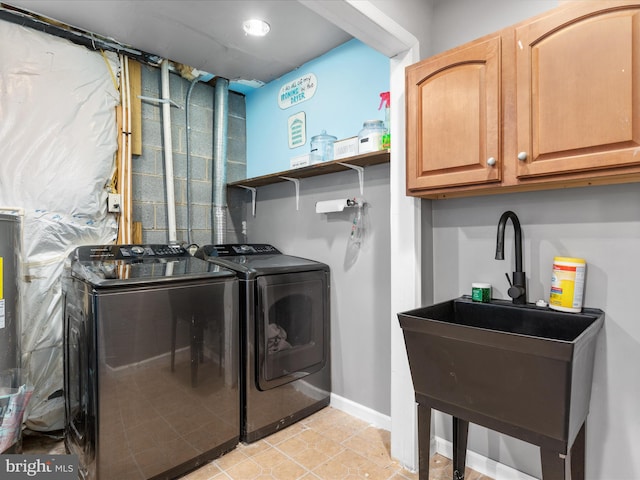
[58,140]
[12,406]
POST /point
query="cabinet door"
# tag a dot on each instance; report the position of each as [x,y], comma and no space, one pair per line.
[578,90]
[453,118]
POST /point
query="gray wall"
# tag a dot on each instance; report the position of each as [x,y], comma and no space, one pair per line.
[414,16]
[148,181]
[600,224]
[360,302]
[455,22]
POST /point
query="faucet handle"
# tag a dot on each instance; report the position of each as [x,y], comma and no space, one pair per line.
[518,289]
[516,292]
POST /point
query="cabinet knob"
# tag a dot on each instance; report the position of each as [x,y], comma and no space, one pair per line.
[522,156]
[491,161]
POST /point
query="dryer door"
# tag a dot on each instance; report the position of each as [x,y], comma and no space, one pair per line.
[292,326]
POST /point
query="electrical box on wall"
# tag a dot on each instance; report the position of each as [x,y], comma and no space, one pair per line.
[113,203]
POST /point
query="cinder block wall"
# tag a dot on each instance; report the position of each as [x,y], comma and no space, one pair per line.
[148,169]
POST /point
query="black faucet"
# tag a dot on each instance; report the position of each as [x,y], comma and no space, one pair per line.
[517,288]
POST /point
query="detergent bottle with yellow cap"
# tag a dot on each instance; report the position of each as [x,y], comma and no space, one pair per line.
[567,284]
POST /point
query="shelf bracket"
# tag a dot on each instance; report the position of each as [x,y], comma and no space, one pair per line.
[296,182]
[253,198]
[360,171]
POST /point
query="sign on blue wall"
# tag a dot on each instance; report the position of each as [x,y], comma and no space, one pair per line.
[336,92]
[297,91]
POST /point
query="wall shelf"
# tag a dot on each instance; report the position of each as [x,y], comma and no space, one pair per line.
[364,160]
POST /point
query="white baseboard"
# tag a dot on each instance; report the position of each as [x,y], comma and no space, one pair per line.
[482,464]
[365,414]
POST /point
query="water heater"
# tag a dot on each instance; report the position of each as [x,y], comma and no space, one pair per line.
[9,320]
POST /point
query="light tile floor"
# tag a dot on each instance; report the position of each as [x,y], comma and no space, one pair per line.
[329,445]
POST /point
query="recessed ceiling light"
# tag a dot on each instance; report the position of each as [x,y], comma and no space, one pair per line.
[256,27]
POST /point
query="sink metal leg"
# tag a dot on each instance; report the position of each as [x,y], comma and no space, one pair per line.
[460,435]
[424,440]
[578,454]
[554,465]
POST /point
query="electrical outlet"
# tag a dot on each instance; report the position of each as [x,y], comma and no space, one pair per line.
[113,203]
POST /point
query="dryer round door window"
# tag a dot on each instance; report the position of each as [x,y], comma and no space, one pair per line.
[292,321]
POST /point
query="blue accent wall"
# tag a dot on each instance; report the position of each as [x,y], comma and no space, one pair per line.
[350,79]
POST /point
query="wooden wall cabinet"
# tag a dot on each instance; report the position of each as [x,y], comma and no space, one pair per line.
[454,117]
[549,103]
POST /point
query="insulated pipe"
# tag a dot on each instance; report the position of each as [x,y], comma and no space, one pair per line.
[168,152]
[220,124]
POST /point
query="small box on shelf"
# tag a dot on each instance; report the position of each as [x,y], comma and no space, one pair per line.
[300,161]
[347,147]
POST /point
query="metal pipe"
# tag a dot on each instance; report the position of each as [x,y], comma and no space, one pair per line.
[188,147]
[220,127]
[168,152]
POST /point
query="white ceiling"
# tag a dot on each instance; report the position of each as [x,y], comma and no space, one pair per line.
[205,34]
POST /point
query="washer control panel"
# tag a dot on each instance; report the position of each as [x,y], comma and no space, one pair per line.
[125,252]
[234,249]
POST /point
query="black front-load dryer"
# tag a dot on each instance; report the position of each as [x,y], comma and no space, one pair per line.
[285,366]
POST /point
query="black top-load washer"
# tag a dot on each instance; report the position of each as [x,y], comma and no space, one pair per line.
[285,335]
[151,361]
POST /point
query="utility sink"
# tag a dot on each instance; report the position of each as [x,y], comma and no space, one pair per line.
[522,370]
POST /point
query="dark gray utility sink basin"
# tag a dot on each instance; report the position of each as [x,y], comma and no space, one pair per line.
[519,369]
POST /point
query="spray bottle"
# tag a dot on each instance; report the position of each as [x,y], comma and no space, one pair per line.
[385,99]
